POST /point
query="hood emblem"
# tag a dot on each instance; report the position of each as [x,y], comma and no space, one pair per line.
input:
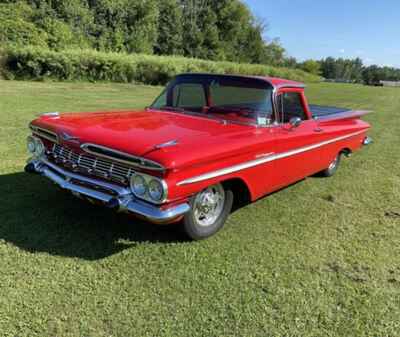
[67,137]
[167,144]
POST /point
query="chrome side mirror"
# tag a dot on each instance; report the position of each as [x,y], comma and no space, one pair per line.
[295,122]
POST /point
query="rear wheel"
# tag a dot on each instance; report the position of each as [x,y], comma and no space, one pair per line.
[332,168]
[209,210]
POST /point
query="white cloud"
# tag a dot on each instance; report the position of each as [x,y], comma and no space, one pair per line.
[341,51]
[369,60]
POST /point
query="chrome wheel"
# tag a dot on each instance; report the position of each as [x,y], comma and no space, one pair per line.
[208,205]
[332,168]
[334,163]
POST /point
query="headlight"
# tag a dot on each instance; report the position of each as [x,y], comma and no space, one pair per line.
[40,149]
[149,188]
[138,185]
[35,146]
[156,190]
[31,144]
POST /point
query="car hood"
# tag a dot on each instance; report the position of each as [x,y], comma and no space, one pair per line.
[140,133]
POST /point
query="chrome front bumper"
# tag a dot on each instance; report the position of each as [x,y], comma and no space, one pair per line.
[113,196]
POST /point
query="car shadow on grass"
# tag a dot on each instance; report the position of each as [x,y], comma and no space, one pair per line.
[37,216]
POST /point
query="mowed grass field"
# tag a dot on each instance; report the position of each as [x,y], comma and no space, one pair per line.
[319,258]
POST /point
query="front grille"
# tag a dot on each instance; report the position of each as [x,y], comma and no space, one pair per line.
[91,165]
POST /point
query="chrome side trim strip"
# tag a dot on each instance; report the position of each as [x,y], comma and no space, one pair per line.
[263,160]
[158,167]
[227,170]
[314,146]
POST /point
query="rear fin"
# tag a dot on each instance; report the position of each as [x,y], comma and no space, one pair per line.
[351,114]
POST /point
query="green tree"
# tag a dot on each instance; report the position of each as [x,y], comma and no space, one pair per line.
[170,30]
[274,54]
[290,62]
[210,48]
[311,66]
[193,37]
[253,47]
[16,26]
[125,25]
[233,23]
[141,24]
[208,29]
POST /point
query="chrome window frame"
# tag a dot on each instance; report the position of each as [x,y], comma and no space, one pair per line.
[278,120]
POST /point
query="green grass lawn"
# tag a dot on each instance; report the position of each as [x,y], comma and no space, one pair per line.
[320,258]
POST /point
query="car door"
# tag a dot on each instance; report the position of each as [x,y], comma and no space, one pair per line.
[297,152]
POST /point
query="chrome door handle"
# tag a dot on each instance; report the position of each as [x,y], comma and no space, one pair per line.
[318,129]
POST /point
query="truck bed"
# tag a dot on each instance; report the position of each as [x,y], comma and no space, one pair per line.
[326,114]
[326,111]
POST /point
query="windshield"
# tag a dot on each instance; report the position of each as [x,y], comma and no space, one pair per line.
[231,98]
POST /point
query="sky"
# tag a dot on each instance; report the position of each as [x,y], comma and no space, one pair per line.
[369,29]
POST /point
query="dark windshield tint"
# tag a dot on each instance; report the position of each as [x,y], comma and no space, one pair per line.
[189,95]
[241,99]
[253,98]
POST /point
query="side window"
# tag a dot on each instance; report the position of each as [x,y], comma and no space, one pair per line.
[189,95]
[290,105]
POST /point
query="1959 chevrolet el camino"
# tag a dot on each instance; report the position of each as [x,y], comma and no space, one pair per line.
[207,144]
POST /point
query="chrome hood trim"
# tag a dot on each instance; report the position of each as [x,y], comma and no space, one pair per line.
[122,157]
[166,144]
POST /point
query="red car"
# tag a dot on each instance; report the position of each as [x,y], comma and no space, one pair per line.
[207,144]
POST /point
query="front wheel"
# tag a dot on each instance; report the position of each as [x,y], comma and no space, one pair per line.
[332,168]
[209,210]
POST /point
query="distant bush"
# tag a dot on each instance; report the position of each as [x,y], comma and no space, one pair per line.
[35,63]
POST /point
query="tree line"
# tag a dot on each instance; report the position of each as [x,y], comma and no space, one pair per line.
[349,70]
[217,30]
[353,70]
[223,30]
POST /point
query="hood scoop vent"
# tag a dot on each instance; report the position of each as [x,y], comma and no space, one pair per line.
[49,135]
[122,157]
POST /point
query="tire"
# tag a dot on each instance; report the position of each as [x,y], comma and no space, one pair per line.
[332,168]
[199,224]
